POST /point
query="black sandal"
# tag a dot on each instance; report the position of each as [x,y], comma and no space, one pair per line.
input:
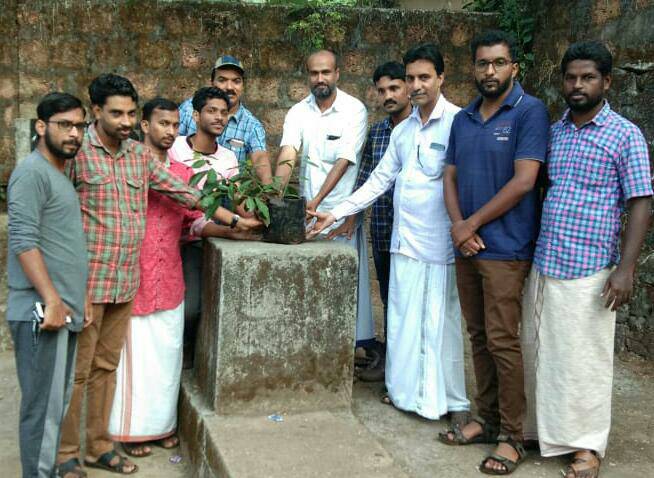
[489,434]
[508,464]
[72,466]
[104,463]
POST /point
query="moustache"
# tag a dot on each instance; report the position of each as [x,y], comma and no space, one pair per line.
[417,93]
[77,144]
[389,102]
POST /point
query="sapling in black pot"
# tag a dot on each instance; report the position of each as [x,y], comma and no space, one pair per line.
[278,206]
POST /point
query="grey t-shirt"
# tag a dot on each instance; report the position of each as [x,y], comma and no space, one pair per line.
[44,213]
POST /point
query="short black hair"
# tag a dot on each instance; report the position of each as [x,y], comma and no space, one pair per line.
[57,102]
[492,38]
[589,50]
[426,51]
[157,103]
[206,93]
[108,84]
[393,69]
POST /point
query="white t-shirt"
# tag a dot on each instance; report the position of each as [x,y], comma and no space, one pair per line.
[223,161]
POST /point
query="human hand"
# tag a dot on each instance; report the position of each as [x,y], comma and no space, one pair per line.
[618,288]
[312,205]
[244,235]
[324,220]
[472,246]
[248,224]
[54,316]
[461,231]
[88,311]
[346,229]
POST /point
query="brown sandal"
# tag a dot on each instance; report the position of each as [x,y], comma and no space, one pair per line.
[583,458]
[167,443]
[136,449]
[509,466]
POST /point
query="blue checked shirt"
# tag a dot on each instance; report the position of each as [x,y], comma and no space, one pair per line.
[593,170]
[244,134]
[381,220]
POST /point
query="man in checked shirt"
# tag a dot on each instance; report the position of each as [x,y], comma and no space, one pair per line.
[112,175]
[598,165]
[392,94]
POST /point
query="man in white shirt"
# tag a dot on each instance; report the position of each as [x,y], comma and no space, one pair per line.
[424,357]
[328,130]
[210,115]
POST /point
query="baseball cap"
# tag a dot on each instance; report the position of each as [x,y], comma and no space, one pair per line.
[228,60]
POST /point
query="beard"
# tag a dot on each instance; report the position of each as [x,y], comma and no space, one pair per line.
[585,105]
[58,151]
[322,91]
[502,87]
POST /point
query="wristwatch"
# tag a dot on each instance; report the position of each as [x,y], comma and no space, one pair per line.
[235,219]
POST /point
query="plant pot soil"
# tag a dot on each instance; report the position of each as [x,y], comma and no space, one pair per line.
[287,224]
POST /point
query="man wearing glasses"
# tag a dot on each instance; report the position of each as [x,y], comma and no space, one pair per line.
[497,145]
[46,265]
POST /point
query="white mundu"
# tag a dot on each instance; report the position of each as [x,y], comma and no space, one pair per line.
[424,361]
[321,138]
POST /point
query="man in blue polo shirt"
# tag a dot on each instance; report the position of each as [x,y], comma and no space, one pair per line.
[497,145]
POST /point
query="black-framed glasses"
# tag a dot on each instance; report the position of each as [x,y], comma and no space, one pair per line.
[498,64]
[67,126]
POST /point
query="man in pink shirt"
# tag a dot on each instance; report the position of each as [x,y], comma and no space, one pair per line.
[210,113]
[151,360]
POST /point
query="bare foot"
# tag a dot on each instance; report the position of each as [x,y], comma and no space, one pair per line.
[469,431]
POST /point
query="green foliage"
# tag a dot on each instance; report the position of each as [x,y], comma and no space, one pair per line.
[244,188]
[517,18]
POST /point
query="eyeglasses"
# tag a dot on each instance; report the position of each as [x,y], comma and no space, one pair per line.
[498,64]
[67,126]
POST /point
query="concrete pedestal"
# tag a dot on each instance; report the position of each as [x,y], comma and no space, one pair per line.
[277,329]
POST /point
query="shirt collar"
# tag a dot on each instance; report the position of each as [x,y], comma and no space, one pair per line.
[238,116]
[336,106]
[95,141]
[436,113]
[511,101]
[599,119]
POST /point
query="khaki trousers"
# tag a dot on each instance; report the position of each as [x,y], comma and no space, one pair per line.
[490,292]
[98,354]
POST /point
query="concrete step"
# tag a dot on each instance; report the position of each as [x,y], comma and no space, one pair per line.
[312,444]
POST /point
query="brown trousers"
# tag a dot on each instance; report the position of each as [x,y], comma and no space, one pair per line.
[98,353]
[490,292]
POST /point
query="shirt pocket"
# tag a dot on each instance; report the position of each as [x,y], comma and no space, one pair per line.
[94,189]
[596,170]
[134,193]
[431,163]
[332,144]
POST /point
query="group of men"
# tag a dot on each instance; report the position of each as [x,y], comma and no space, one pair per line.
[456,230]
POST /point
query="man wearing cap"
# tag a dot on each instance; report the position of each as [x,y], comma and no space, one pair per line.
[244,134]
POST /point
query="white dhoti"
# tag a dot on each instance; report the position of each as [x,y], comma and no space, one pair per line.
[568,338]
[424,346]
[365,328]
[148,378]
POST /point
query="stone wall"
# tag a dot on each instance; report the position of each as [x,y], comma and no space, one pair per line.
[626,27]
[168,48]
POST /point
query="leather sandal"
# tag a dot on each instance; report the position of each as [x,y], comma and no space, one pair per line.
[488,434]
[509,465]
[71,467]
[104,463]
[573,471]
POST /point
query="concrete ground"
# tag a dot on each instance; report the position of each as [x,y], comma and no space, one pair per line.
[408,439]
[408,442]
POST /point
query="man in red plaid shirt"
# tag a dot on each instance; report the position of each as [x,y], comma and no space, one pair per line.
[112,175]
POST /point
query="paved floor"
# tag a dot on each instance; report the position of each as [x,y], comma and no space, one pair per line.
[410,440]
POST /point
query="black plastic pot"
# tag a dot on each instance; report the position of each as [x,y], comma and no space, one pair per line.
[286,221]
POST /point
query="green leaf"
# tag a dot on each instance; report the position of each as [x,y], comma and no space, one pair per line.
[199,163]
[196,178]
[265,212]
[249,204]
